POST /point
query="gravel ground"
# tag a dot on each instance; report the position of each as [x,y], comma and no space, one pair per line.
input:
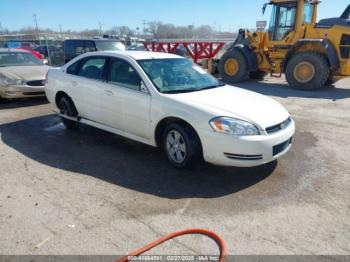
[91,192]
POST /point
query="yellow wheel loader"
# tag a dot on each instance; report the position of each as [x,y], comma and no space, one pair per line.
[310,54]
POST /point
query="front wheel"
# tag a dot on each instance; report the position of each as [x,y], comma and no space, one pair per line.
[307,71]
[181,146]
[233,67]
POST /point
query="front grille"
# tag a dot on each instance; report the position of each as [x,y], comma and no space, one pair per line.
[345,46]
[281,147]
[276,128]
[36,83]
[243,157]
[33,93]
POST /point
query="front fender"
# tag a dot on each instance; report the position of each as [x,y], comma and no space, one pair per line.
[331,52]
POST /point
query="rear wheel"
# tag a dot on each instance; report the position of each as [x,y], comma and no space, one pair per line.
[67,108]
[181,146]
[307,71]
[233,67]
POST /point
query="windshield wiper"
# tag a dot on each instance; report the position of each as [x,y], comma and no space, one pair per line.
[213,86]
[181,91]
[189,90]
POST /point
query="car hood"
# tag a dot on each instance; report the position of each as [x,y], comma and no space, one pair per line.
[25,73]
[238,103]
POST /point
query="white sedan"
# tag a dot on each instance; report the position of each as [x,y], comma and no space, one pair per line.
[166,101]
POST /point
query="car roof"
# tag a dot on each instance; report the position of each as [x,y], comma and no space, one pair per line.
[13,50]
[138,55]
[92,40]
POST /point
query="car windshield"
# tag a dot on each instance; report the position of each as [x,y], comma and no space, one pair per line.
[177,75]
[109,46]
[18,59]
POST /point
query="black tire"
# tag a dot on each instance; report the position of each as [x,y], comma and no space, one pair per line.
[258,75]
[239,75]
[331,81]
[193,154]
[318,77]
[66,107]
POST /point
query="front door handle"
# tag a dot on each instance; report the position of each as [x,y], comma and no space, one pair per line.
[74,83]
[108,92]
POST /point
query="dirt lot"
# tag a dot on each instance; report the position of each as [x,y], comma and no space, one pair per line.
[91,192]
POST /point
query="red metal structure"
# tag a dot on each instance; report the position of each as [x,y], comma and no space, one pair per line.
[197,50]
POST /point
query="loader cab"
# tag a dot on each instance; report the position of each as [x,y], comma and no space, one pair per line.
[289,17]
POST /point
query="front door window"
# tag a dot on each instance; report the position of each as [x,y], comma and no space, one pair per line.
[283,21]
[308,13]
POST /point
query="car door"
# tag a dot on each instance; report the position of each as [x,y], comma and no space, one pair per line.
[86,86]
[127,102]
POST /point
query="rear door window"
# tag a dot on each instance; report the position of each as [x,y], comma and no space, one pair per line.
[72,47]
[78,47]
[93,68]
[73,69]
[90,46]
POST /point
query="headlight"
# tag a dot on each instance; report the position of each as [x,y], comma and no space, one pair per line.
[233,126]
[11,82]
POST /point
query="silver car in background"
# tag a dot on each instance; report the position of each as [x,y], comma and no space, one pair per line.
[21,74]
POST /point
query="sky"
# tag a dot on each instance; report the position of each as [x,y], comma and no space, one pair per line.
[224,15]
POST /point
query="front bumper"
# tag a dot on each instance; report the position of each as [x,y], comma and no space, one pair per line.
[21,91]
[227,150]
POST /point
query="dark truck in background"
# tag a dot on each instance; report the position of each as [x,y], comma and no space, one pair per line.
[75,47]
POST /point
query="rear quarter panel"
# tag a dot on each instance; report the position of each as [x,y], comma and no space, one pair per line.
[55,84]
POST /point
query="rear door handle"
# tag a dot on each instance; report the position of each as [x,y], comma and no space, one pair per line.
[108,92]
[74,83]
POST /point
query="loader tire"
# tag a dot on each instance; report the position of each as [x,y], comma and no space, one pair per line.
[258,75]
[233,67]
[331,81]
[307,71]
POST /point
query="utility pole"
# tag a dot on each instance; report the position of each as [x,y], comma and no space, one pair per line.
[144,26]
[36,25]
[99,23]
[1,32]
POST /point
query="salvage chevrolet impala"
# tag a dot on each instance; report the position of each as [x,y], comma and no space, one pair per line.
[167,101]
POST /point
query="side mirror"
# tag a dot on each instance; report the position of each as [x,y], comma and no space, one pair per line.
[264,9]
[45,62]
[143,87]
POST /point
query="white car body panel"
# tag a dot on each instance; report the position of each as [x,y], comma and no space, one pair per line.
[136,114]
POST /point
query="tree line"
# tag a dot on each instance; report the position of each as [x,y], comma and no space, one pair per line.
[155,29]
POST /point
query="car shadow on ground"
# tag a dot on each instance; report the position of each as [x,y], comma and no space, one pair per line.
[93,152]
[283,90]
[22,102]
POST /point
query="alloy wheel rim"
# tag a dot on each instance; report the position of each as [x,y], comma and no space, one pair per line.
[231,66]
[64,109]
[304,72]
[176,146]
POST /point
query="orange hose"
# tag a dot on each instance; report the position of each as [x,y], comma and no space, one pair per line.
[212,235]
